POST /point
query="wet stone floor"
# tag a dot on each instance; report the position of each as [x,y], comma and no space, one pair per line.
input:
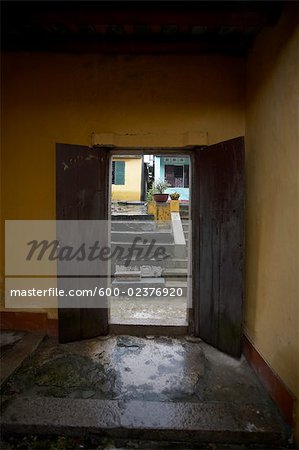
[126,368]
[134,368]
[8,339]
[159,311]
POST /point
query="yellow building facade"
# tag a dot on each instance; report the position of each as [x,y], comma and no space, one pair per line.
[126,178]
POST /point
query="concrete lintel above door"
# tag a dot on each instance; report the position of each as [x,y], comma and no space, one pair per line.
[150,140]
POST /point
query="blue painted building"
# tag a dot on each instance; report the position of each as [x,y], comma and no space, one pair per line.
[176,170]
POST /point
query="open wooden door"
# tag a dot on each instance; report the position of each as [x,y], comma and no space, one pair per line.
[82,180]
[218,243]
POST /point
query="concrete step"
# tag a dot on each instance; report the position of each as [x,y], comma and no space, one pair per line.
[130,236]
[129,203]
[168,262]
[126,275]
[124,285]
[173,277]
[131,217]
[177,273]
[133,225]
[144,271]
[135,263]
[175,262]
[177,284]
[200,422]
[167,248]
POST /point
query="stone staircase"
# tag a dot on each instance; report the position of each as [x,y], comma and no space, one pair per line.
[142,267]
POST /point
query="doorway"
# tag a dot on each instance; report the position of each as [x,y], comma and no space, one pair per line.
[150,236]
[83,184]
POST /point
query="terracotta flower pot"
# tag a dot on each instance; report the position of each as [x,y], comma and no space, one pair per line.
[160,198]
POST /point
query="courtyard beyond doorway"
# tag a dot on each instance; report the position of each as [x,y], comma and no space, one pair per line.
[154,290]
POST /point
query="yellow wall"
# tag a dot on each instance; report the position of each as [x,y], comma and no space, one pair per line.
[49,98]
[272,304]
[131,190]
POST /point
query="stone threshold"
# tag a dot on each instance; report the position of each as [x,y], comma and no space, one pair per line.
[139,328]
[222,422]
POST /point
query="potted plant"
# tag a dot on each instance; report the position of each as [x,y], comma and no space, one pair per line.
[174,202]
[175,196]
[159,189]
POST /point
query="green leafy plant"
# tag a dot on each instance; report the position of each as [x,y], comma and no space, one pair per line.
[175,196]
[160,186]
[149,195]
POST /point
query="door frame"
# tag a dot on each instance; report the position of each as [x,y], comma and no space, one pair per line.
[193,201]
[211,204]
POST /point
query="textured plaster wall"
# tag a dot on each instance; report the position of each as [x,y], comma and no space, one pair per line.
[272,304]
[49,98]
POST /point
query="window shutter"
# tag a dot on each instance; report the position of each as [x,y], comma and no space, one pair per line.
[119,173]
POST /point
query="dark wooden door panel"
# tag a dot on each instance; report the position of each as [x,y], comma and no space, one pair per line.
[82,175]
[218,231]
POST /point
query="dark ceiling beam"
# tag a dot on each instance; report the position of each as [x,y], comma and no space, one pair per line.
[131,45]
[135,27]
[210,14]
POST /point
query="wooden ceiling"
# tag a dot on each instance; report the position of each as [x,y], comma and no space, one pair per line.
[135,27]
